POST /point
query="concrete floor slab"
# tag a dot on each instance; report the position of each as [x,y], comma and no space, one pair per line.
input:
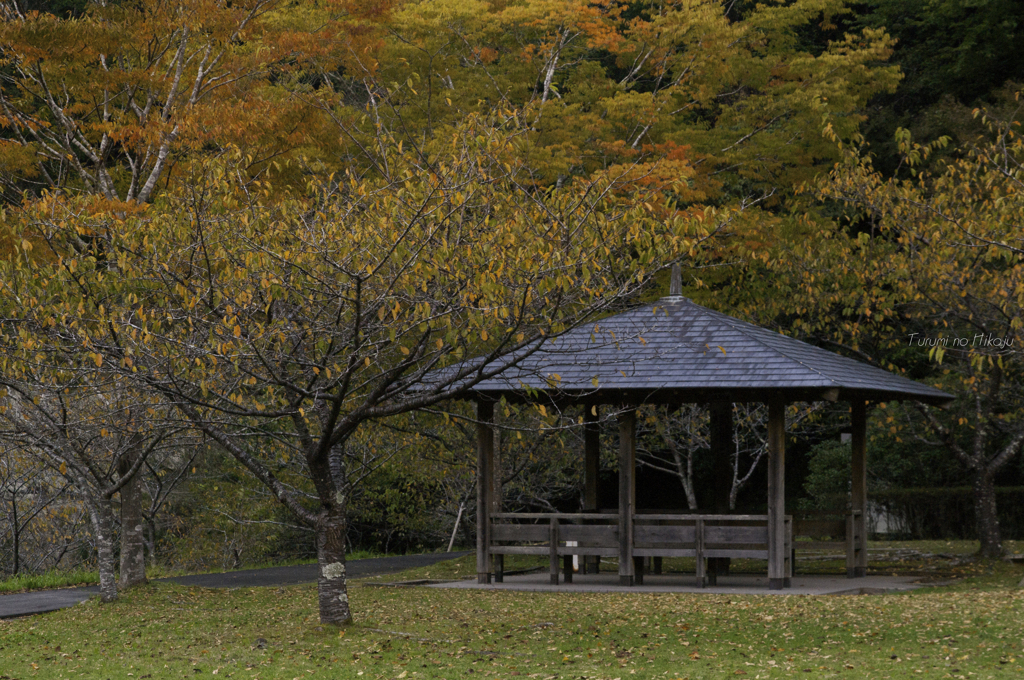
[737,584]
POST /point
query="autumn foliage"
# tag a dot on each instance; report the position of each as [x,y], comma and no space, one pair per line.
[281,220]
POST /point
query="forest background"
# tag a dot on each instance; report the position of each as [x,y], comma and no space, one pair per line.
[238,235]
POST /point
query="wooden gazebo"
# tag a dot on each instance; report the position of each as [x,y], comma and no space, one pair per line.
[674,352]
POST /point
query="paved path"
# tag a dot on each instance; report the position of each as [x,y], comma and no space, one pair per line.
[307,573]
[40,601]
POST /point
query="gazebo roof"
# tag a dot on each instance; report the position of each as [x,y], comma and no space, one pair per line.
[676,351]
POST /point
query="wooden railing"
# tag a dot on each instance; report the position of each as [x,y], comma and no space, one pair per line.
[654,535]
[829,530]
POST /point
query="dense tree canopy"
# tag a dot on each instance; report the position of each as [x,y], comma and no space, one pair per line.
[284,223]
[929,268]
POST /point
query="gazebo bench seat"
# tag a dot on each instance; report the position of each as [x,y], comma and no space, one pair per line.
[519,549]
[663,551]
[559,535]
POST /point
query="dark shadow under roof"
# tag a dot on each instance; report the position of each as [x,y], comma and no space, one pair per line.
[675,351]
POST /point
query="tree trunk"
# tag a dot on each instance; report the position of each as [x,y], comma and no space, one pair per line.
[987,517]
[149,537]
[330,551]
[133,558]
[16,533]
[103,527]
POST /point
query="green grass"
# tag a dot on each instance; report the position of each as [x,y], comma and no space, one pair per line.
[50,579]
[970,630]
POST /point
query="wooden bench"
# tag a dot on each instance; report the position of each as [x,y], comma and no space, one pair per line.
[668,535]
[654,535]
[703,537]
[546,533]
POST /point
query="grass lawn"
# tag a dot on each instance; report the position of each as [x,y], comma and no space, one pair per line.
[972,629]
[48,580]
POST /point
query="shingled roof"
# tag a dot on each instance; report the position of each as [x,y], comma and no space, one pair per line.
[676,351]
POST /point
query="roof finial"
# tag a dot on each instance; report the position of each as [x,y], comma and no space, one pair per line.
[676,286]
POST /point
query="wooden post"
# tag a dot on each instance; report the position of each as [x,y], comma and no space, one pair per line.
[591,472]
[851,551]
[776,495]
[496,465]
[484,488]
[790,553]
[627,494]
[553,540]
[858,492]
[722,448]
[698,546]
[497,561]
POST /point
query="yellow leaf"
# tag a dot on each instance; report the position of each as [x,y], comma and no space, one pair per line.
[483,335]
[63,468]
[405,350]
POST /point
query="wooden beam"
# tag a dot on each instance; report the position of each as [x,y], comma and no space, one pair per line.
[776,495]
[484,487]
[857,560]
[627,494]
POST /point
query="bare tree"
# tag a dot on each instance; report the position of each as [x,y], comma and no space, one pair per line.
[97,438]
[37,532]
[673,440]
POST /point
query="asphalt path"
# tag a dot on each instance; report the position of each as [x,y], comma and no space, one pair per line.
[41,601]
